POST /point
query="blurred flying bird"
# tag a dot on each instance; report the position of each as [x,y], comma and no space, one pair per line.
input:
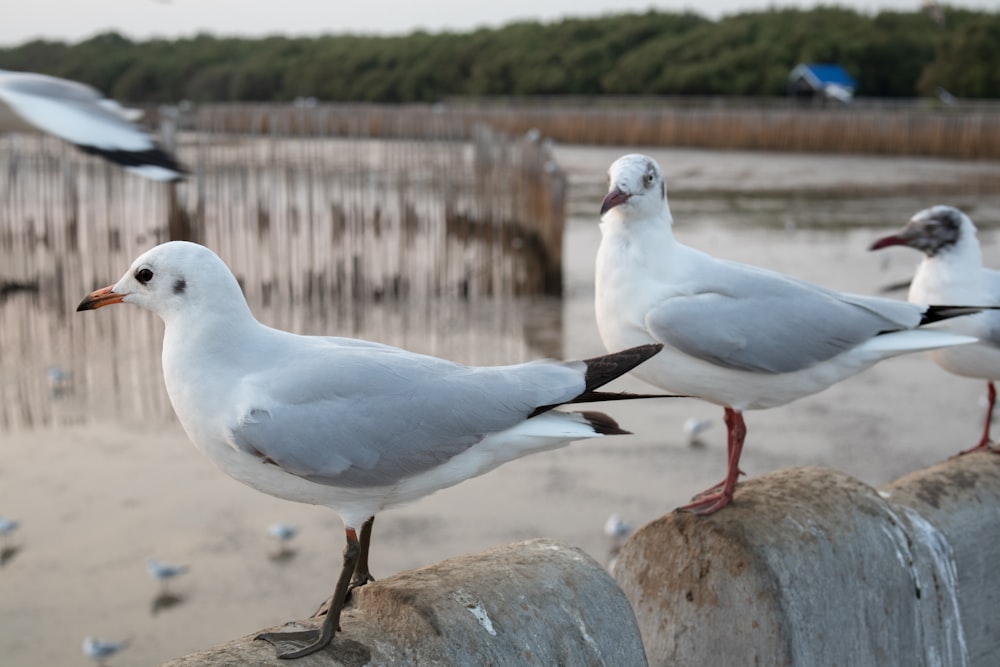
[82,116]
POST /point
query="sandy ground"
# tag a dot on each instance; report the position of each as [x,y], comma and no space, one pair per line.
[97,500]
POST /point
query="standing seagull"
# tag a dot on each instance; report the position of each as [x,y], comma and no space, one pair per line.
[164,572]
[101,650]
[349,424]
[736,335]
[952,271]
[82,116]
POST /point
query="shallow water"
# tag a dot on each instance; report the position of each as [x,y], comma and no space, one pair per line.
[102,478]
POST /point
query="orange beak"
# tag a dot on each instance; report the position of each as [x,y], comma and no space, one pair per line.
[100,298]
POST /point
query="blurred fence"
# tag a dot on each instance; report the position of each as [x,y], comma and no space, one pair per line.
[883,127]
[968,131]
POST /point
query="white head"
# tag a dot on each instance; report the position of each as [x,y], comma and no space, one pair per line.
[939,230]
[636,190]
[172,278]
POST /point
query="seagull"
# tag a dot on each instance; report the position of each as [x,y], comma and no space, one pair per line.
[164,572]
[101,650]
[617,530]
[951,271]
[282,531]
[693,428]
[8,526]
[735,335]
[79,114]
[349,424]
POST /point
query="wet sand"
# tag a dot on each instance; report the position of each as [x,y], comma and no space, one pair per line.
[96,501]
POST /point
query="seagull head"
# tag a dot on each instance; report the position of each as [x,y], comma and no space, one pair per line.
[636,188]
[170,278]
[935,230]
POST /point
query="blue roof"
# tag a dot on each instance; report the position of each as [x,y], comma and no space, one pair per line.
[824,74]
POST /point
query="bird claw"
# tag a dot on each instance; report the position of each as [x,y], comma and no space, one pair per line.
[296,643]
[985,445]
[707,503]
[713,490]
[358,582]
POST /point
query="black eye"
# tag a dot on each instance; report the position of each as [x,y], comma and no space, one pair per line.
[143,275]
[649,178]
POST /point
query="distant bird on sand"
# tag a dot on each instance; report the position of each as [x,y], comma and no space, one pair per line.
[8,526]
[282,531]
[952,271]
[164,572]
[733,334]
[693,428]
[617,530]
[349,424]
[82,116]
[7,550]
[101,650]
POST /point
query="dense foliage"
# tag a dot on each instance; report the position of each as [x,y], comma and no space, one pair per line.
[890,54]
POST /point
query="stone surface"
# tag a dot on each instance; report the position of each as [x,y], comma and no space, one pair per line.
[811,567]
[536,602]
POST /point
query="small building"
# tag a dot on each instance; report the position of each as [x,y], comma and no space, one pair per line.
[821,81]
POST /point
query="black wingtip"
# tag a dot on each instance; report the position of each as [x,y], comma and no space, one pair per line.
[602,370]
[153,157]
[939,313]
[603,424]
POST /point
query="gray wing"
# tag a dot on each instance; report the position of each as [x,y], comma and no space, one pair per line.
[751,319]
[41,85]
[70,110]
[988,322]
[364,415]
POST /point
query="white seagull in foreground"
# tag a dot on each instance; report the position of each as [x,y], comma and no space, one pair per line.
[952,271]
[349,424]
[82,116]
[735,335]
[101,650]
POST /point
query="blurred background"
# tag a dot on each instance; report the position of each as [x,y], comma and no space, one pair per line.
[433,181]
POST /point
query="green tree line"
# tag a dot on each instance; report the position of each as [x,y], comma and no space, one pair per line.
[890,54]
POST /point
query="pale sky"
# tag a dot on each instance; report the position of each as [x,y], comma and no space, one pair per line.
[72,20]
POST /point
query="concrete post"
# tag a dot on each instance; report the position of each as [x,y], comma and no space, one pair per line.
[530,603]
[812,567]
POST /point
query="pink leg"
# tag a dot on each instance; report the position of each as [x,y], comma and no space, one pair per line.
[984,440]
[717,497]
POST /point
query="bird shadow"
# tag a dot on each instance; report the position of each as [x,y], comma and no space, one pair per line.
[7,554]
[166,600]
[283,556]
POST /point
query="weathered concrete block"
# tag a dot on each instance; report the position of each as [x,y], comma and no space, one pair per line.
[960,498]
[531,603]
[812,567]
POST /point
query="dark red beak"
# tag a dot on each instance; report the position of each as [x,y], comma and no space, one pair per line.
[891,240]
[613,198]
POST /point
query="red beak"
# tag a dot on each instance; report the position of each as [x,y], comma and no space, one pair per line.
[613,198]
[891,240]
[100,298]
